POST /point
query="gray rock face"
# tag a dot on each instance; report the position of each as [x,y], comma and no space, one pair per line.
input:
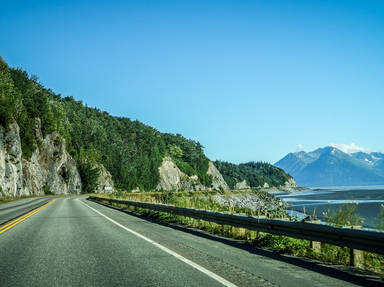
[50,167]
[58,167]
[290,184]
[33,176]
[242,185]
[218,182]
[11,170]
[172,178]
[105,182]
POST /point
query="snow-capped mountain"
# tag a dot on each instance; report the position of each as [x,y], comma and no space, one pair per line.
[330,166]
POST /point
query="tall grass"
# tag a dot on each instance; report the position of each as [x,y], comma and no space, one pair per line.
[207,201]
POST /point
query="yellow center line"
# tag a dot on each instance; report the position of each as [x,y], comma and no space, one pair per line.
[17,219]
[24,217]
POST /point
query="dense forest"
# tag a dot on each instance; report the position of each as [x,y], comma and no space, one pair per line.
[254,173]
[130,150]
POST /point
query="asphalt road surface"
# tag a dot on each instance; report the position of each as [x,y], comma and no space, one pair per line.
[17,208]
[75,242]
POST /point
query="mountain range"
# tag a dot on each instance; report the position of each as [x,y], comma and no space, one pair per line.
[330,166]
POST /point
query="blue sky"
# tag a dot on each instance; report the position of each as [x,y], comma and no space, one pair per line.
[249,80]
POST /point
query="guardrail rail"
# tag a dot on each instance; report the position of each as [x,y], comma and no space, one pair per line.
[345,237]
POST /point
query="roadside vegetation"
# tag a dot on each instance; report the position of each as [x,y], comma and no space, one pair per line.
[345,216]
[264,204]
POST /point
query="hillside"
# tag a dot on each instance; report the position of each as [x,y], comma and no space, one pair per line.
[330,166]
[255,174]
[131,151]
[55,144]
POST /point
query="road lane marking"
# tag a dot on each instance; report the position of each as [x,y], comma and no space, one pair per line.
[169,251]
[24,217]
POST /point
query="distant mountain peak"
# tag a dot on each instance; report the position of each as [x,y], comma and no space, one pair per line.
[331,166]
[349,148]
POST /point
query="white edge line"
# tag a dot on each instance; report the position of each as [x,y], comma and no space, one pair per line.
[178,256]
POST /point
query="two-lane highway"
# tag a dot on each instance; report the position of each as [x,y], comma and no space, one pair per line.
[14,209]
[75,242]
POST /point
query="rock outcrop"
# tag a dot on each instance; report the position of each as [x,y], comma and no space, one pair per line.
[172,178]
[170,175]
[242,185]
[58,167]
[218,182]
[49,170]
[11,170]
[289,184]
[104,182]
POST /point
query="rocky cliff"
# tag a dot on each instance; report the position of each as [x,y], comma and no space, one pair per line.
[289,184]
[242,185]
[11,170]
[218,182]
[50,170]
[172,178]
[104,182]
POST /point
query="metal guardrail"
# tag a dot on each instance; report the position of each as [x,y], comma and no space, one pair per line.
[345,237]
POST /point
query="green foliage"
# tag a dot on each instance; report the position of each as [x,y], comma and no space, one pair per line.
[282,244]
[345,215]
[8,96]
[175,151]
[24,100]
[255,173]
[47,191]
[89,175]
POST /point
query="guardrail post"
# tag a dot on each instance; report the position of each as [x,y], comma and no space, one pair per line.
[315,245]
[356,257]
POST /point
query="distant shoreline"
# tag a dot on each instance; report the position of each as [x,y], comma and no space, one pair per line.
[368,200]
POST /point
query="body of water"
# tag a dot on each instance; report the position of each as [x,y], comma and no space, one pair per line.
[320,200]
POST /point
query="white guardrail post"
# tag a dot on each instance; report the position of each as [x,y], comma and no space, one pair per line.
[315,245]
[356,257]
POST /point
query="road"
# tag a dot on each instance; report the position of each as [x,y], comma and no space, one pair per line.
[75,242]
[16,208]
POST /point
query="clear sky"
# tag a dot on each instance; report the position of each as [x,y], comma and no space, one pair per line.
[249,80]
